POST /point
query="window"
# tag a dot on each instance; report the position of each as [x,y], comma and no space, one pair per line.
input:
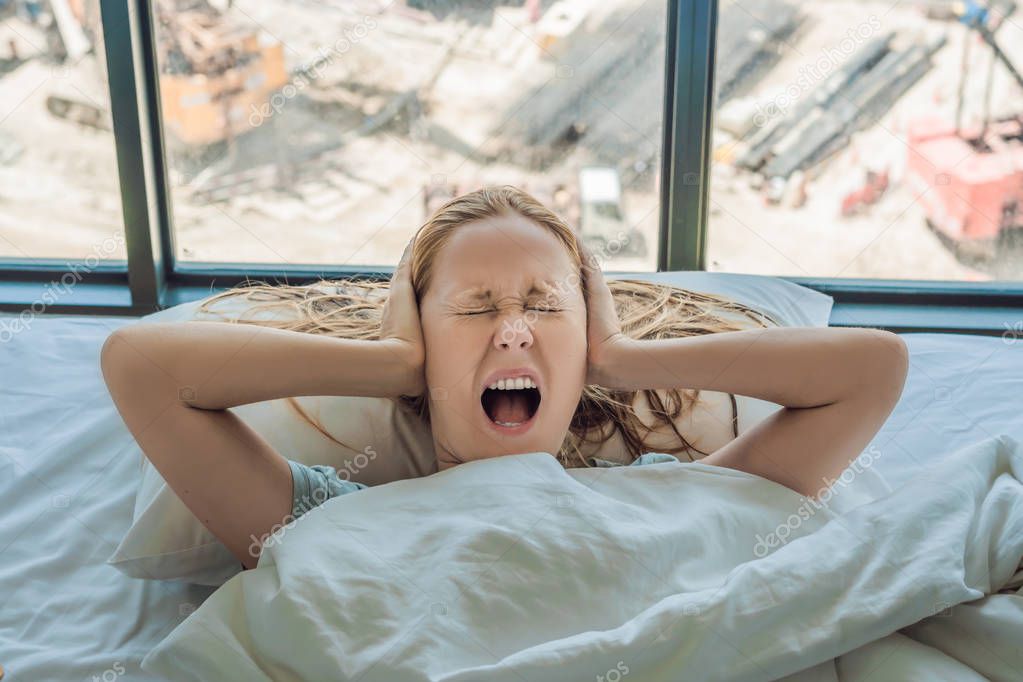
[59,193]
[326,133]
[291,140]
[835,148]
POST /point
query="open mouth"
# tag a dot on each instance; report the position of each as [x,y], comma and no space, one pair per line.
[513,403]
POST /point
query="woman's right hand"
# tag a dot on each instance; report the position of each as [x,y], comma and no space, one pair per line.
[400,326]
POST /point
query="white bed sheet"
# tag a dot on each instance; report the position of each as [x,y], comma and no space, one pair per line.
[67,494]
[960,388]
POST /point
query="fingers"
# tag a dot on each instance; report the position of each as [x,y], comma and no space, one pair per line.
[589,286]
[589,261]
[585,259]
[406,255]
[592,272]
[402,271]
[602,315]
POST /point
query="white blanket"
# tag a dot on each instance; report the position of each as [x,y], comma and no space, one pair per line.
[513,569]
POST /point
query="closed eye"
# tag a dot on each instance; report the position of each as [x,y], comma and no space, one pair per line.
[536,308]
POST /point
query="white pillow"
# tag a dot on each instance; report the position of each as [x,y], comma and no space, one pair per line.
[166,541]
[789,303]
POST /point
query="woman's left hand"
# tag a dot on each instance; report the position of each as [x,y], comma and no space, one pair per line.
[605,340]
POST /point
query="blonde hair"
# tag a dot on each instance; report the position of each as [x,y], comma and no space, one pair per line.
[351,309]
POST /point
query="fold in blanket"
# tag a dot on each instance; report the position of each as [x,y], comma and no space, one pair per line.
[515,569]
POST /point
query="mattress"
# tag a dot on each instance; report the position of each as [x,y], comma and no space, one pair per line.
[67,487]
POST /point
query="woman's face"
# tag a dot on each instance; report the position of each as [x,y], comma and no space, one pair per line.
[504,301]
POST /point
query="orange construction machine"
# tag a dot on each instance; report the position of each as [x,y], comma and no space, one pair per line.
[214,71]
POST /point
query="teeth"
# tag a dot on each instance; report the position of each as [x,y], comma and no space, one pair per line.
[501,423]
[516,384]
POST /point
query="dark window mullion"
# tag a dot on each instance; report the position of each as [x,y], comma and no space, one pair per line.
[151,72]
[124,22]
[689,100]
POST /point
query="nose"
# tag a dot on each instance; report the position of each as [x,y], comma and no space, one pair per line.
[513,333]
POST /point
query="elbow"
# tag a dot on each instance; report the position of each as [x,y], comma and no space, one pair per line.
[898,355]
[144,358]
[885,365]
[132,361]
[123,357]
[111,356]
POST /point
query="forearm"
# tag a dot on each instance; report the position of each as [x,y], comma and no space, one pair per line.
[216,365]
[790,366]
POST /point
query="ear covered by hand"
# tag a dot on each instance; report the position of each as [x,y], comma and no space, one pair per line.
[605,340]
[400,325]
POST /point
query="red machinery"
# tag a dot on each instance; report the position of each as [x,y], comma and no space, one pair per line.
[970,180]
[875,184]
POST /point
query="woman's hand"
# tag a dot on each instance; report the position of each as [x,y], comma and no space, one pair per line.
[400,326]
[606,343]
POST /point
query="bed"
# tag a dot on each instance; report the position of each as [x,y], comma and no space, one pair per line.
[67,490]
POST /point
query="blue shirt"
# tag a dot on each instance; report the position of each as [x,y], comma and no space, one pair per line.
[312,485]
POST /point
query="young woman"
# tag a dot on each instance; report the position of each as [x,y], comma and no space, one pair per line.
[502,326]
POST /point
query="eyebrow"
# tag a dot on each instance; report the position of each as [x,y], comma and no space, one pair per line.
[482,293]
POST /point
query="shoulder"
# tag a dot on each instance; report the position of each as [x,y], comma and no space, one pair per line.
[314,484]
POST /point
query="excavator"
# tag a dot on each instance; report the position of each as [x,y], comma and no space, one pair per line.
[213,70]
[970,178]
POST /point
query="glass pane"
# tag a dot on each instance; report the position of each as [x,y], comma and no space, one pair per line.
[836,146]
[59,193]
[326,132]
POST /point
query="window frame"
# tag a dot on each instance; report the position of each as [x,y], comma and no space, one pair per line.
[151,279]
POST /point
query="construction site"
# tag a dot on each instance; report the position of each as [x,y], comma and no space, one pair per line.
[851,139]
[869,140]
